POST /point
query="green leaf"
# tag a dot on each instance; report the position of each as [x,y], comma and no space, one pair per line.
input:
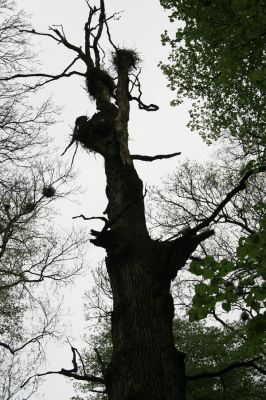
[226,306]
[239,5]
[196,268]
[207,273]
[226,267]
[257,327]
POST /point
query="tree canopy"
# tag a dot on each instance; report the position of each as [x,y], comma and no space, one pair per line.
[218,60]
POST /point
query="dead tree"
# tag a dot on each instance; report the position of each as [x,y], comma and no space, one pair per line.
[145,363]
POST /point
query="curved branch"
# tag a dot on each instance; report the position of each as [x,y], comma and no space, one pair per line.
[90,218]
[241,186]
[59,38]
[227,326]
[86,378]
[34,32]
[33,340]
[153,158]
[6,346]
[72,373]
[40,75]
[142,106]
[239,364]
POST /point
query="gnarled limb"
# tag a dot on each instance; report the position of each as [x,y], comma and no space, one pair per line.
[71,373]
[61,38]
[90,218]
[153,158]
[142,106]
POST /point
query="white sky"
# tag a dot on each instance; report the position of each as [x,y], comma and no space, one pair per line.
[164,131]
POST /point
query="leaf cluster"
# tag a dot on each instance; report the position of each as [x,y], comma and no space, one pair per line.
[241,283]
[218,60]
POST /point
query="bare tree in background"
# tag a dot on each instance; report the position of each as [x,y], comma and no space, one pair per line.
[192,193]
[32,251]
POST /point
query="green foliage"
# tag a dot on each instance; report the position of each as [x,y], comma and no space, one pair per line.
[241,282]
[218,60]
[212,349]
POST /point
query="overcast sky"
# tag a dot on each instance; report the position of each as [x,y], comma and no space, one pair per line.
[139,27]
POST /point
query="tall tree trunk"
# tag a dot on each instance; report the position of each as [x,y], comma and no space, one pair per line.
[145,364]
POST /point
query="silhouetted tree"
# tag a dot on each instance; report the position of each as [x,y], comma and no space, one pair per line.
[31,251]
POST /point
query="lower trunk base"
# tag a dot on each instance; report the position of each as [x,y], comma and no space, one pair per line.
[151,376]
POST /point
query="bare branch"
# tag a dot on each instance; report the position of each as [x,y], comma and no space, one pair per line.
[88,30]
[219,208]
[64,74]
[228,197]
[108,30]
[33,340]
[6,346]
[153,158]
[59,38]
[81,360]
[99,34]
[72,373]
[34,32]
[142,106]
[86,378]
[90,218]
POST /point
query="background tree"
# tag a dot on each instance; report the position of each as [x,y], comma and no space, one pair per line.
[217,59]
[220,278]
[31,250]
